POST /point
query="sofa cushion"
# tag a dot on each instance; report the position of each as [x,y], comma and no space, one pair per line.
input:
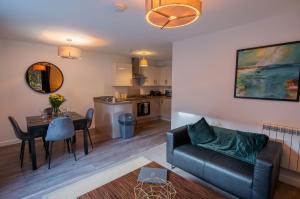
[201,132]
[191,158]
[230,174]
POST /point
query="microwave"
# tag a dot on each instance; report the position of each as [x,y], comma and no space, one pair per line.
[168,93]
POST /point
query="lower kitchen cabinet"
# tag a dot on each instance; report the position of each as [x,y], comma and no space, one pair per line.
[160,107]
[107,115]
[165,108]
[154,109]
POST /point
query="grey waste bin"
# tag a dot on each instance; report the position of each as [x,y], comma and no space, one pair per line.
[127,125]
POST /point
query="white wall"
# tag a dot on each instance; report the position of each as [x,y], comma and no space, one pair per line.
[204,73]
[84,79]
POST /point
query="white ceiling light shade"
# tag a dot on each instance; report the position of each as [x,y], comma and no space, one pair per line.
[69,52]
[172,13]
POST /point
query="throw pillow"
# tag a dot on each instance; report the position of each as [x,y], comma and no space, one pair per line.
[201,132]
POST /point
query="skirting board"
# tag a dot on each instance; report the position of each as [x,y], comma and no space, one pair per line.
[165,118]
[290,177]
[9,142]
[12,142]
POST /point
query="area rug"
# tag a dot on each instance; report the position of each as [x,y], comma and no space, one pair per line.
[88,184]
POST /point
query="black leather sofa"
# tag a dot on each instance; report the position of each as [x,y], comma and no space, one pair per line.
[231,175]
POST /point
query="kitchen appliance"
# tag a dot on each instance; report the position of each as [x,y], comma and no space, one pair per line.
[137,73]
[143,108]
[155,93]
[168,93]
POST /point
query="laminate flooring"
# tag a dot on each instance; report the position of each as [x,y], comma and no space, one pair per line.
[19,183]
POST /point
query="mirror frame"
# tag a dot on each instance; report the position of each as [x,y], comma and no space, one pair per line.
[43,62]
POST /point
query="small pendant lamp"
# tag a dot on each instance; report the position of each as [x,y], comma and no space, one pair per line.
[143,62]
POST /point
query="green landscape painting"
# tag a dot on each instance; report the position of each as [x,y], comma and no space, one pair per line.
[269,72]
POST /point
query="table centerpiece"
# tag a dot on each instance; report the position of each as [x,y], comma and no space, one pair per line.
[56,100]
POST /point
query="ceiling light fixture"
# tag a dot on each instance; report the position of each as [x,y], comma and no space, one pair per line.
[172,13]
[121,6]
[143,62]
[143,53]
[69,52]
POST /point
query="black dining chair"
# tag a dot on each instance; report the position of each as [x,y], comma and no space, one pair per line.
[89,117]
[24,137]
[59,129]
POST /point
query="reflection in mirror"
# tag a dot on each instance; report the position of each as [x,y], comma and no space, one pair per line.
[44,77]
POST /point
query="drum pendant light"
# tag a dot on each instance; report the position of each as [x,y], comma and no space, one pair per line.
[172,13]
[69,52]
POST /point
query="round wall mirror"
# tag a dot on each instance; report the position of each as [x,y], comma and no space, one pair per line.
[44,77]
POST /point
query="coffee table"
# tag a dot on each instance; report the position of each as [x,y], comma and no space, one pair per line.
[123,187]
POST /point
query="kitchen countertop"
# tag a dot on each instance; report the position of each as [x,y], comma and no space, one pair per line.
[110,103]
[130,99]
[146,98]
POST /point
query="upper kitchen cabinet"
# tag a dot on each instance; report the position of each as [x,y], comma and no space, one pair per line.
[158,76]
[152,75]
[166,76]
[122,74]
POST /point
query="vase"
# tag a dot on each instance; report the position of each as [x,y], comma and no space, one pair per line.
[55,111]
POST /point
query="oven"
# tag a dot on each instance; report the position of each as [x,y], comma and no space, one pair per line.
[143,108]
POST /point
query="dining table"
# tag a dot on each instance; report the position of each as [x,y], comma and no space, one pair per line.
[37,127]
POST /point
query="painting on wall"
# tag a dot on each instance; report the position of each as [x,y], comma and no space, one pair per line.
[268,72]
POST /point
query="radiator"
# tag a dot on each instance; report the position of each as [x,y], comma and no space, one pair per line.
[290,139]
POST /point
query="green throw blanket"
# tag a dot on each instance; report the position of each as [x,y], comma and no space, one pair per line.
[240,145]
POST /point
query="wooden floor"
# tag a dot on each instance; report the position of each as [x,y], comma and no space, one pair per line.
[17,183]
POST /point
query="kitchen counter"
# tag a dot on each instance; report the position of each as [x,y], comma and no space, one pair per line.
[147,97]
[118,102]
[107,113]
[130,99]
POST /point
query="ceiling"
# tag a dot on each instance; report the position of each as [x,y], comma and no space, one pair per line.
[96,25]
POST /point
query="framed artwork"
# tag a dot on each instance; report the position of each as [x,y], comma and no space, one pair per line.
[268,72]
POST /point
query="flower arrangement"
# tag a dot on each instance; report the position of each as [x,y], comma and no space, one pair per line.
[56,101]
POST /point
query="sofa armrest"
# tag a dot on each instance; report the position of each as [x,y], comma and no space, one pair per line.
[175,138]
[266,171]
